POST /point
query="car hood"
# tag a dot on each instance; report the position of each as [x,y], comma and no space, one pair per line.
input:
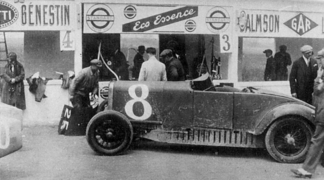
[273,93]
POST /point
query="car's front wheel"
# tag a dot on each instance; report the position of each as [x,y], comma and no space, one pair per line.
[288,140]
[109,133]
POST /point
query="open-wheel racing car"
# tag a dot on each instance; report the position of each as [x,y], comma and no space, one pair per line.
[195,112]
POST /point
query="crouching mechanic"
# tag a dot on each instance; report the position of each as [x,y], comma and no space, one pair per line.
[84,83]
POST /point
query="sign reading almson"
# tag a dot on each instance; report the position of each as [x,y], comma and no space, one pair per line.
[8,14]
[259,22]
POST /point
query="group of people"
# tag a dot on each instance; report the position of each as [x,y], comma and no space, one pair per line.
[168,68]
[276,67]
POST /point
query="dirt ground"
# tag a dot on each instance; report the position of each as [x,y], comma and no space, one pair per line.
[46,155]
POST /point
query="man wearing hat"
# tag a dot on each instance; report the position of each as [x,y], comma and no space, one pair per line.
[13,92]
[84,83]
[174,68]
[270,70]
[315,151]
[302,75]
[138,61]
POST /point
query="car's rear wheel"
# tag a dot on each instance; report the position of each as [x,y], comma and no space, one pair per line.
[109,133]
[288,140]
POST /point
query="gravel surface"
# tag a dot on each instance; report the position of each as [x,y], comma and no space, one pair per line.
[46,155]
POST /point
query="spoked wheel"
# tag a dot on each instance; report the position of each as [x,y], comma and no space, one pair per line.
[287,140]
[109,133]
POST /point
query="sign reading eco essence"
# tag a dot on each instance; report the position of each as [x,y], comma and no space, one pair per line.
[37,15]
[279,24]
[111,18]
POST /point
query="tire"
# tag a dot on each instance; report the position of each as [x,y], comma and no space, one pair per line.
[109,133]
[288,140]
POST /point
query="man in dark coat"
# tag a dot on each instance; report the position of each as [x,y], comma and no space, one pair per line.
[84,83]
[174,68]
[270,70]
[283,60]
[315,151]
[138,61]
[302,75]
[13,92]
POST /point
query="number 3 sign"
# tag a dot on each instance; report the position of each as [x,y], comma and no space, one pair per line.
[67,40]
[225,43]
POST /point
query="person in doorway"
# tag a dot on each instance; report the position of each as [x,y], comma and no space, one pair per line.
[315,151]
[152,69]
[283,60]
[84,83]
[174,68]
[302,75]
[13,92]
[120,65]
[138,61]
[270,69]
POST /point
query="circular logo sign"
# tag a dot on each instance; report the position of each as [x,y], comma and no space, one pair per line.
[130,12]
[100,18]
[104,92]
[217,20]
[190,25]
[9,14]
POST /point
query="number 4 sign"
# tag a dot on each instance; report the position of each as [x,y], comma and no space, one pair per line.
[67,40]
[225,43]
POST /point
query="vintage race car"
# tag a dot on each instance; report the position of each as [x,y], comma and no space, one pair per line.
[195,112]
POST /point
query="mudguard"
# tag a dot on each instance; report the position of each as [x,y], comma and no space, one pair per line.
[291,109]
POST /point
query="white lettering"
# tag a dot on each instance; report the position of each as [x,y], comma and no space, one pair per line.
[294,23]
[139,25]
[301,24]
[162,19]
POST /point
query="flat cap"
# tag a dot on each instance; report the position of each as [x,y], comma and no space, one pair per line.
[166,52]
[320,53]
[267,50]
[306,48]
[96,62]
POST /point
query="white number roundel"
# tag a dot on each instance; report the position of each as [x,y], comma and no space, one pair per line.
[129,105]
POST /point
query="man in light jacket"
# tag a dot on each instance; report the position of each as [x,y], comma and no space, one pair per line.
[152,69]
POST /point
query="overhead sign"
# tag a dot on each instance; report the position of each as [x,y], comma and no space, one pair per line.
[158,19]
[8,14]
[266,23]
[301,24]
[218,19]
[37,15]
[100,18]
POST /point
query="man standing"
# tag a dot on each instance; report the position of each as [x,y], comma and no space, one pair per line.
[317,144]
[13,92]
[152,69]
[86,82]
[174,69]
[283,60]
[138,61]
[302,75]
[270,70]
